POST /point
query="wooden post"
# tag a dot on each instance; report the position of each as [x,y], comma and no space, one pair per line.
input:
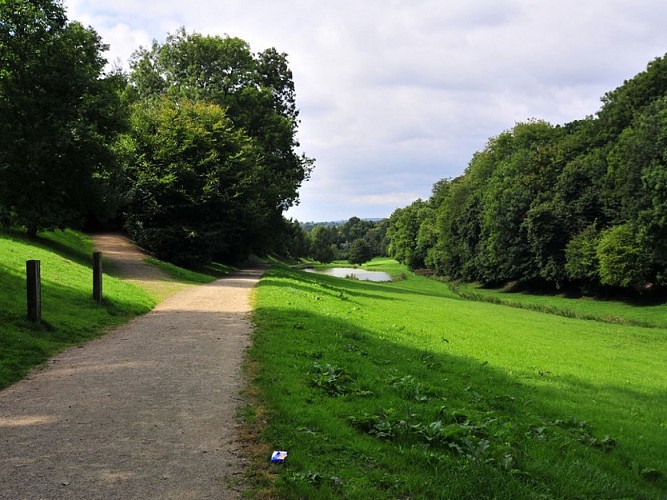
[97,276]
[34,291]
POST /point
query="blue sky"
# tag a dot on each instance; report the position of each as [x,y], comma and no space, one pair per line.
[395,95]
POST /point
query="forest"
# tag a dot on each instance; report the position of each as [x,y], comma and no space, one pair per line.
[193,151]
[580,206]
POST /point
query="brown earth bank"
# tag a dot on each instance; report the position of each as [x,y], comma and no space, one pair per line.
[147,411]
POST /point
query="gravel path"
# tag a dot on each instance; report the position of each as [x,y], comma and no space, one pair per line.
[147,411]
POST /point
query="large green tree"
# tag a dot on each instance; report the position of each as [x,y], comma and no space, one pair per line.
[257,94]
[59,115]
[195,182]
[403,233]
[580,205]
[323,244]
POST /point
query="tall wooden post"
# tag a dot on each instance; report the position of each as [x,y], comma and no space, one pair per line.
[97,276]
[34,291]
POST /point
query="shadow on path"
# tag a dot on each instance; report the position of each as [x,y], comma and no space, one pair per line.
[147,411]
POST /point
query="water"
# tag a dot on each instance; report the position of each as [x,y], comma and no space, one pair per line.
[344,272]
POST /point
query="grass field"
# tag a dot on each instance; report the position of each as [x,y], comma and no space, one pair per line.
[69,314]
[609,311]
[406,390]
[402,389]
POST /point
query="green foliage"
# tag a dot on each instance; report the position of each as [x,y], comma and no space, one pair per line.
[523,170]
[403,234]
[60,117]
[323,244]
[248,179]
[623,260]
[355,240]
[194,182]
[70,316]
[532,205]
[360,252]
[581,255]
[398,390]
[293,240]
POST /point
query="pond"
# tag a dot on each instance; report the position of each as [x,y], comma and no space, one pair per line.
[344,272]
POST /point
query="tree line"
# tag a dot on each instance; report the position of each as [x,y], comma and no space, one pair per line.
[194,149]
[356,240]
[580,206]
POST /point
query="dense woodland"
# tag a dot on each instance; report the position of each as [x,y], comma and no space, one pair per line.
[580,206]
[194,150]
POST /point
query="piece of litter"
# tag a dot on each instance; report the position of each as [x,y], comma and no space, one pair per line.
[278,456]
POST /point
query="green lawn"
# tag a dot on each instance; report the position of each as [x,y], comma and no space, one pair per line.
[406,390]
[70,316]
[610,311]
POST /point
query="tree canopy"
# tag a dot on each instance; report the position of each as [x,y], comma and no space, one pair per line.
[195,149]
[59,116]
[249,178]
[578,205]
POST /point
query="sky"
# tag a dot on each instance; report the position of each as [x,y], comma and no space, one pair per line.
[396,95]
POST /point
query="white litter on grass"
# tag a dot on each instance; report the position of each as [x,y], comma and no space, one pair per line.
[278,456]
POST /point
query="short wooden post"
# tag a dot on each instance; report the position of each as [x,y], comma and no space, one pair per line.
[97,276]
[34,291]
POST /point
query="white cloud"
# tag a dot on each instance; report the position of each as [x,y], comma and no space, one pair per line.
[396,95]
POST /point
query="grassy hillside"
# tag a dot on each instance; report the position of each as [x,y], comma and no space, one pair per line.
[610,311]
[70,316]
[406,390]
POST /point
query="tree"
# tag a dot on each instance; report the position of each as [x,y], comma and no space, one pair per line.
[256,90]
[638,178]
[360,252]
[323,244]
[256,93]
[377,238]
[294,241]
[547,237]
[524,168]
[195,182]
[59,116]
[403,232]
[582,262]
[623,260]
[584,203]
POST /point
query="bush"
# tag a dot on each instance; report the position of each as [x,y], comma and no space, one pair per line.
[623,261]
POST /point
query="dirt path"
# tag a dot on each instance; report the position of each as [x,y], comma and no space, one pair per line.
[125,260]
[147,411]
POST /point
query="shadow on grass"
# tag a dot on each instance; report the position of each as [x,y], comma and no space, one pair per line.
[555,434]
[77,248]
[649,297]
[333,286]
[70,316]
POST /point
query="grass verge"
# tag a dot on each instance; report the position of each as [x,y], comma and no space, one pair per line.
[207,274]
[404,390]
[608,311]
[69,314]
